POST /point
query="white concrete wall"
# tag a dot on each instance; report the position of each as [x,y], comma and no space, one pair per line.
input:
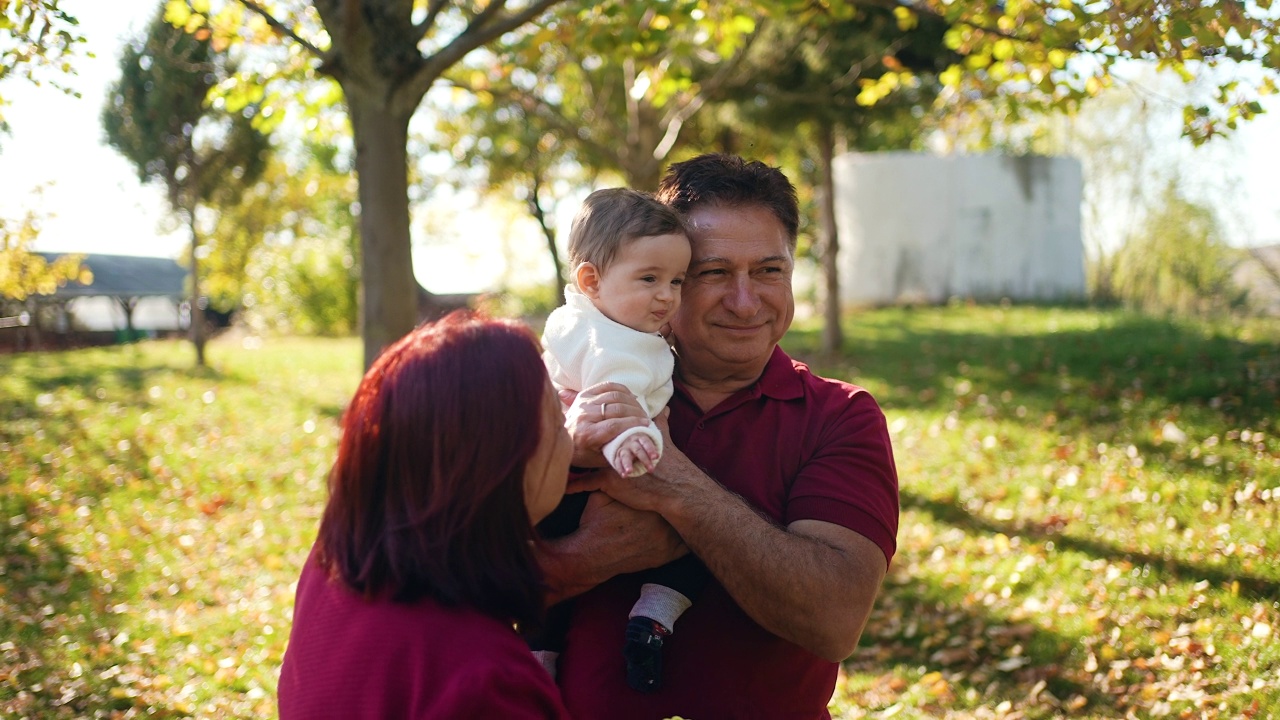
[925,228]
[103,313]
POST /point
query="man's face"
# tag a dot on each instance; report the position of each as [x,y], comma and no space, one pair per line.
[737,302]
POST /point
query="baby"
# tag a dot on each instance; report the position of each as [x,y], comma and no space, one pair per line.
[629,255]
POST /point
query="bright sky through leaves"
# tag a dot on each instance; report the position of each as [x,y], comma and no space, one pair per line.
[100,207]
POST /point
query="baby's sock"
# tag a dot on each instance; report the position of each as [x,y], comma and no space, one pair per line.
[547,659]
[661,603]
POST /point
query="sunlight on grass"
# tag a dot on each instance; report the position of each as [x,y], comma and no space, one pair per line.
[1091,501]
[153,521]
[1090,506]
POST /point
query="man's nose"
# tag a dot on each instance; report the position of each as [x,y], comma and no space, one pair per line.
[742,299]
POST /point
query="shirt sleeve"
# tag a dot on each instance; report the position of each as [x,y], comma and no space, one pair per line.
[850,479]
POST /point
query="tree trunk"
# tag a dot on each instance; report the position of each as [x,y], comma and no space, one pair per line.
[197,313]
[548,232]
[389,291]
[832,333]
[128,305]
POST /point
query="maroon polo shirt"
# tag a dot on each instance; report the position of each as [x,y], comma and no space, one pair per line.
[797,447]
[352,658]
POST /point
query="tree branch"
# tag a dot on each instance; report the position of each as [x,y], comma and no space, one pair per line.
[479,32]
[433,10]
[280,27]
[675,119]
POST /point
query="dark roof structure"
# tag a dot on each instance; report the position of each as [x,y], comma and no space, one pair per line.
[126,276]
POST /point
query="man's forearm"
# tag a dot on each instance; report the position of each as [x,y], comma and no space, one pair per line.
[611,539]
[812,583]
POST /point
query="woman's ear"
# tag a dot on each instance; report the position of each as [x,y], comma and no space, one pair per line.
[587,278]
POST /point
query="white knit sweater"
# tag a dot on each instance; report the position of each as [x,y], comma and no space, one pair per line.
[582,348]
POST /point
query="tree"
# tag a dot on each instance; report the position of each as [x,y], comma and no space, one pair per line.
[157,117]
[1177,262]
[602,90]
[38,39]
[384,56]
[618,82]
[287,253]
[24,274]
[1020,56]
[518,156]
[805,78]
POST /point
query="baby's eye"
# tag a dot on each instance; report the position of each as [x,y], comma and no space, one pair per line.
[677,281]
[649,279]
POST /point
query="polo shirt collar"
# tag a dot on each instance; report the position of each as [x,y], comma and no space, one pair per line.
[779,381]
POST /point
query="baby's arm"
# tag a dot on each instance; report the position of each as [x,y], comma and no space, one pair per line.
[636,455]
[637,460]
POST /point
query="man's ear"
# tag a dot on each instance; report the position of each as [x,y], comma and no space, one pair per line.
[587,278]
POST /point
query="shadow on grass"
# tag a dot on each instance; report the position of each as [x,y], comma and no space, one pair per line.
[1081,375]
[1251,586]
[918,625]
[64,655]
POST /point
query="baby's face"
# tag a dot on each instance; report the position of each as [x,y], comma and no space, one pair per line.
[641,287]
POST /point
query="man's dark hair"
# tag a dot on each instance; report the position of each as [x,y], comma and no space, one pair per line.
[730,181]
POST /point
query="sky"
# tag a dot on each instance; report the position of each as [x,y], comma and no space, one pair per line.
[98,205]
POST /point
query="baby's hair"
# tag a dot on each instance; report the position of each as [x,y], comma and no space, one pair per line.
[613,217]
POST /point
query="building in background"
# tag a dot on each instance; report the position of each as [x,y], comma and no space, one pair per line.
[130,297]
[924,229]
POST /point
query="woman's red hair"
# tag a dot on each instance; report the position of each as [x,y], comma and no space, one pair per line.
[426,498]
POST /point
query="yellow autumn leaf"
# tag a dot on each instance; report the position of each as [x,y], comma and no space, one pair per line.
[177,12]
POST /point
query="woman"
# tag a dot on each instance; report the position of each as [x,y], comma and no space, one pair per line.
[452,448]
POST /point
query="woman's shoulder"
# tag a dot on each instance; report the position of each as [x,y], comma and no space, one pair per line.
[383,649]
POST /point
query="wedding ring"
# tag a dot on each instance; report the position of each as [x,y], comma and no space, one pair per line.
[604,409]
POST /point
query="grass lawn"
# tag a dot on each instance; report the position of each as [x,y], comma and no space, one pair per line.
[1091,504]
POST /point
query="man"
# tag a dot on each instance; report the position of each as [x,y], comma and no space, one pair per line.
[781,482]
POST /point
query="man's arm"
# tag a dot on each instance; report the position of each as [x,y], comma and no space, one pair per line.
[812,582]
[611,539]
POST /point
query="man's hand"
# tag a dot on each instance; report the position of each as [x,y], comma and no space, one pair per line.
[811,582]
[597,415]
[611,539]
[666,483]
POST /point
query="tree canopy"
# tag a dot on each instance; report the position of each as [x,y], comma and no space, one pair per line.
[38,41]
[632,79]
[384,57]
[24,273]
[157,116]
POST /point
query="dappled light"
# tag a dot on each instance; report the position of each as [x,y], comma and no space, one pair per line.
[1090,505]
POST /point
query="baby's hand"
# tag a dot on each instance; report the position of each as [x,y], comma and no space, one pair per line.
[636,456]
